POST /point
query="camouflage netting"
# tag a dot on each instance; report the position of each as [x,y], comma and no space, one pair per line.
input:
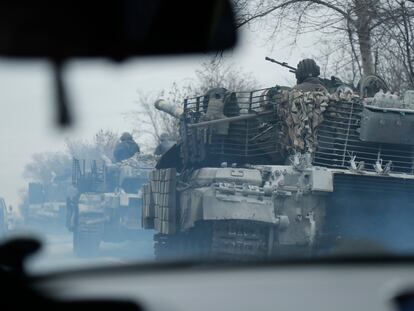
[301,113]
[289,127]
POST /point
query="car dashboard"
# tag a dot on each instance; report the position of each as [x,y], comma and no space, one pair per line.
[313,286]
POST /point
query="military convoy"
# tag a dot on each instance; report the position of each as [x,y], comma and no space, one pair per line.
[105,204]
[282,171]
[45,206]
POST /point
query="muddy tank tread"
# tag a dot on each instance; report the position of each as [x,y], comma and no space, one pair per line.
[183,245]
[162,245]
[87,237]
[223,240]
[238,240]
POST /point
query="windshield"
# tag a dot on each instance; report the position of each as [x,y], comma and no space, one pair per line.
[297,143]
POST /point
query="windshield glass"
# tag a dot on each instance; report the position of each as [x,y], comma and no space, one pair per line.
[297,143]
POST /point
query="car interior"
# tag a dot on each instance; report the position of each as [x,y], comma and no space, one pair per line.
[117,31]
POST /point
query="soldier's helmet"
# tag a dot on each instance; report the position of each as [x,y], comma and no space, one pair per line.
[126,136]
[307,68]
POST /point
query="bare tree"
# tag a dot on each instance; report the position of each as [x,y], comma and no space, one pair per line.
[102,144]
[44,167]
[358,23]
[397,45]
[105,141]
[215,74]
[150,123]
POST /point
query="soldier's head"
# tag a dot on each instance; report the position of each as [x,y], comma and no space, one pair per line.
[126,136]
[307,68]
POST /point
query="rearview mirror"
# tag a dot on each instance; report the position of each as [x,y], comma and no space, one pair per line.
[115,29]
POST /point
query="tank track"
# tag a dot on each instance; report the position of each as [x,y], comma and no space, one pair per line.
[239,240]
[231,240]
[87,237]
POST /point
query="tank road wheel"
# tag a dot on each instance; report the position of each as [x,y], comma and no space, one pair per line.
[240,240]
[225,239]
[87,236]
[161,246]
[194,243]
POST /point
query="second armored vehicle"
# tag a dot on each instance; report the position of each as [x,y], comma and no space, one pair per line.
[105,205]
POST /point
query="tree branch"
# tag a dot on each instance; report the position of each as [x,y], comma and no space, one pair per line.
[291,2]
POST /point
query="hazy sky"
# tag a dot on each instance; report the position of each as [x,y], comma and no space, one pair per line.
[101,94]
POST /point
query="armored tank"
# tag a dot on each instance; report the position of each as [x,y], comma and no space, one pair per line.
[282,171]
[105,204]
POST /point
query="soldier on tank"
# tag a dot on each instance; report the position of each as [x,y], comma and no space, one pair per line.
[125,148]
[307,76]
[165,144]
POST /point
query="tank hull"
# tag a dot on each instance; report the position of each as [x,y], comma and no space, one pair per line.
[314,211]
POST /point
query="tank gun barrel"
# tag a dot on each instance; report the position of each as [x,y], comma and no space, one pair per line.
[230,119]
[169,108]
[283,64]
